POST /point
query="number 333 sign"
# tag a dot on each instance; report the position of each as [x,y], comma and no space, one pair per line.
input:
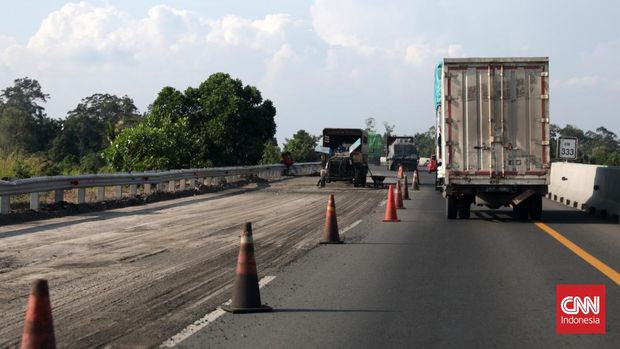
[567,148]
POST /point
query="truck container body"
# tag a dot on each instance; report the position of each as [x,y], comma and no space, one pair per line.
[401,151]
[493,133]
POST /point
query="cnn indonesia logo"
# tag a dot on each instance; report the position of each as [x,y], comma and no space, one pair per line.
[580,309]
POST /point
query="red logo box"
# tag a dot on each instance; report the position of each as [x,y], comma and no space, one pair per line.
[580,309]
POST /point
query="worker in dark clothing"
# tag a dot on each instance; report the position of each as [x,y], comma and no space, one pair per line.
[287,161]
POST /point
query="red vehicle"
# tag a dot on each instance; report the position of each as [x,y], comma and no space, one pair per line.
[432,164]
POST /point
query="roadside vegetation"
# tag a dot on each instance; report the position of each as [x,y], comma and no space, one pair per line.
[220,122]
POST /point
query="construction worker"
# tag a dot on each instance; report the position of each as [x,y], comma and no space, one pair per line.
[287,161]
[432,164]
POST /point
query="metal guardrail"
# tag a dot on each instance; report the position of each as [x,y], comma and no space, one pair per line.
[59,184]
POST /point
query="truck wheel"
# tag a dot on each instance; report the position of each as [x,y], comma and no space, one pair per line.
[464,208]
[535,206]
[520,212]
[451,207]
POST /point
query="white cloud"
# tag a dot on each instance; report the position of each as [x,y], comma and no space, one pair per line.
[82,48]
[237,31]
[276,64]
[77,28]
[423,53]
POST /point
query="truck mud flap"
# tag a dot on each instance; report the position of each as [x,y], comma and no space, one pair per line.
[522,197]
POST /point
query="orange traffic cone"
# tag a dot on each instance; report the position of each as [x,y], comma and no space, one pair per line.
[416,181]
[38,326]
[390,207]
[246,294]
[400,171]
[399,196]
[406,190]
[330,230]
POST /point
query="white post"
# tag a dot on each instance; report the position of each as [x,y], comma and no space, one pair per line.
[101,193]
[133,189]
[59,195]
[81,195]
[182,184]
[118,192]
[34,201]
[172,186]
[147,189]
[192,183]
[5,204]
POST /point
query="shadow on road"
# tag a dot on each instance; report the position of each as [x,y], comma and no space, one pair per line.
[381,243]
[303,310]
[548,216]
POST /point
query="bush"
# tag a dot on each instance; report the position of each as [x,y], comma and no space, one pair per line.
[21,170]
[271,154]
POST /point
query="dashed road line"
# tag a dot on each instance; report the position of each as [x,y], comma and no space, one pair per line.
[350,226]
[205,320]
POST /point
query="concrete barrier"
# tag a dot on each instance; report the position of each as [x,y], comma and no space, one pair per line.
[593,188]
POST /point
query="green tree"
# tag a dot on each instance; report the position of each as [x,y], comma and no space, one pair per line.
[17,130]
[271,153]
[302,146]
[600,147]
[231,121]
[145,147]
[221,122]
[23,123]
[93,125]
[425,142]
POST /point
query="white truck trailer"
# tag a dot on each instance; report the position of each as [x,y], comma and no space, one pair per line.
[493,134]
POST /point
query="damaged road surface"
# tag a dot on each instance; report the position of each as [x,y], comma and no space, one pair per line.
[137,275]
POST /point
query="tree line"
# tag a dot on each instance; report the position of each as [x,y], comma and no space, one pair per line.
[598,147]
[221,122]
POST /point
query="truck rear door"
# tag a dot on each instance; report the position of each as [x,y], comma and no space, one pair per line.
[496,118]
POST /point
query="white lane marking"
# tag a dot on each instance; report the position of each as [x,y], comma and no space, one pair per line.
[206,320]
[351,226]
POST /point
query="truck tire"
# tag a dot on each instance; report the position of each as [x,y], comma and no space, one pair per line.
[535,206]
[464,208]
[451,207]
[520,212]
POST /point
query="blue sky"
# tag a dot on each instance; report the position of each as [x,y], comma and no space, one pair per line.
[323,63]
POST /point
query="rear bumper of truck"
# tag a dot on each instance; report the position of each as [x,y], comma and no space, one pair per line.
[496,195]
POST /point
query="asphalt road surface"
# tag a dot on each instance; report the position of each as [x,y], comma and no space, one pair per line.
[133,277]
[428,282]
[141,276]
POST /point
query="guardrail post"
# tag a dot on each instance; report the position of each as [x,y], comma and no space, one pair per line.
[59,195]
[172,186]
[34,201]
[182,184]
[81,195]
[160,186]
[118,192]
[100,193]
[5,204]
[147,188]
[133,189]
[192,183]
